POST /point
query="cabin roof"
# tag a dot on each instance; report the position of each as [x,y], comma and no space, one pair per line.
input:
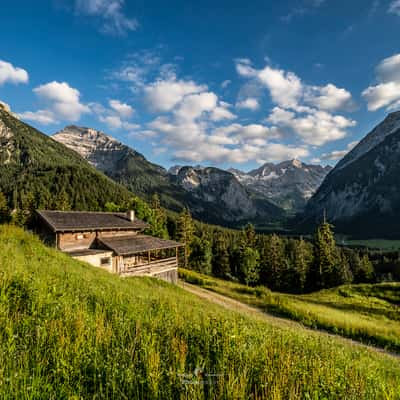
[73,221]
[128,245]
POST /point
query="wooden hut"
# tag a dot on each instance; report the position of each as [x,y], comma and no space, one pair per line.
[109,240]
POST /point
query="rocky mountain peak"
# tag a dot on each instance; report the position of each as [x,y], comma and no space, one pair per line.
[388,126]
[100,149]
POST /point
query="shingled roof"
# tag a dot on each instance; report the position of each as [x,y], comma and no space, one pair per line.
[127,245]
[75,221]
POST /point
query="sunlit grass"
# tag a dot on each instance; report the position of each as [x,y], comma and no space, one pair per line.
[68,330]
[369,313]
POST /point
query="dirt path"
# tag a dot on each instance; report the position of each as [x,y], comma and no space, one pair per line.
[238,306]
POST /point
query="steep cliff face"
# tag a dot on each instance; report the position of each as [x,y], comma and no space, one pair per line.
[216,186]
[288,184]
[362,193]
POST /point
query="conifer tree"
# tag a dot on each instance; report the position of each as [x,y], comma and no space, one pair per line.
[272,262]
[302,261]
[200,255]
[250,267]
[220,259]
[363,270]
[185,232]
[325,257]
[4,210]
[159,219]
[62,201]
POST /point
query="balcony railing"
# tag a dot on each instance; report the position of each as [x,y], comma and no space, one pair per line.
[150,268]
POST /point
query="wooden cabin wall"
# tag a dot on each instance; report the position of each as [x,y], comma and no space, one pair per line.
[117,233]
[46,234]
[75,240]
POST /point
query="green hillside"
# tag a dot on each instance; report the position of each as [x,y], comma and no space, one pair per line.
[34,165]
[68,330]
[366,312]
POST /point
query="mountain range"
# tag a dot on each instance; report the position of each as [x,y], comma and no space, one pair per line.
[202,190]
[361,195]
[268,192]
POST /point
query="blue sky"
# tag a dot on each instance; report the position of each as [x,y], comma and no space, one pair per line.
[227,83]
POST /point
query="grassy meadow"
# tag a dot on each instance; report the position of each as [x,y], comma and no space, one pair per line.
[369,312]
[71,331]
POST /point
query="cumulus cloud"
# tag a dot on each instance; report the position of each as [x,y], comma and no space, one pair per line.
[394,7]
[43,117]
[250,103]
[386,93]
[315,127]
[114,21]
[123,109]
[62,101]
[302,109]
[11,74]
[115,116]
[164,95]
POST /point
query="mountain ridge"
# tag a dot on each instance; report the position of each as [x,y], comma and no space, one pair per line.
[361,196]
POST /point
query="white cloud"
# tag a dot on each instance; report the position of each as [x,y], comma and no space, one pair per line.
[123,109]
[110,11]
[338,154]
[387,91]
[116,116]
[43,117]
[304,109]
[11,74]
[314,127]
[221,112]
[164,95]
[63,100]
[250,103]
[394,7]
[329,98]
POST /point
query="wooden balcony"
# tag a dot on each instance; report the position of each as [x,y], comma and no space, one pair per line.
[152,268]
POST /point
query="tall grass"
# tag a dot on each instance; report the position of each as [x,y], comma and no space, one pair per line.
[368,313]
[71,331]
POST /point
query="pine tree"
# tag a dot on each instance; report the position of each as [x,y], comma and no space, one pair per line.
[250,236]
[325,257]
[200,255]
[185,232]
[249,265]
[272,262]
[4,210]
[159,219]
[363,270]
[220,259]
[302,261]
[62,201]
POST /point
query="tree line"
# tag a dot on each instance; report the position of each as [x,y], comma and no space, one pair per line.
[295,265]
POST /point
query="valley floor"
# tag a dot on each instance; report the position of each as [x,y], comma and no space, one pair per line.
[235,305]
[367,313]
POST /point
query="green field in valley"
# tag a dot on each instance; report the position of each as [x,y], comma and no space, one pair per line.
[71,331]
[368,313]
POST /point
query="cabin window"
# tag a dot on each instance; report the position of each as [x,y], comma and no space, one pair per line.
[105,261]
